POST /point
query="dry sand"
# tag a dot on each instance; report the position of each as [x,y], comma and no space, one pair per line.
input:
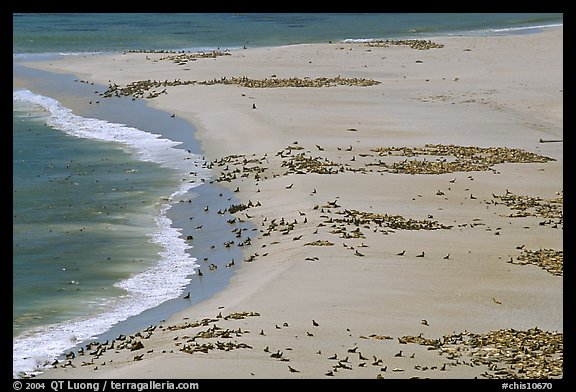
[491,91]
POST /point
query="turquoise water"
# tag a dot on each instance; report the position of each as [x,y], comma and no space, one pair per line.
[72,200]
[70,33]
[92,241]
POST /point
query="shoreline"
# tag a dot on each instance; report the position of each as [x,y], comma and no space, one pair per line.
[359,285]
[180,213]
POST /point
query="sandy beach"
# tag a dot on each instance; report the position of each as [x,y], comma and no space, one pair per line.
[406,204]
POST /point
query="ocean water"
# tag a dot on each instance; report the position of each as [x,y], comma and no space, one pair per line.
[92,243]
[93,239]
[73,33]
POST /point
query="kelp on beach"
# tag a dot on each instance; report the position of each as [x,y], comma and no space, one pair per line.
[138,89]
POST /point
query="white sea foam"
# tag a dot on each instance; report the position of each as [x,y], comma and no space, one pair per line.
[361,40]
[146,146]
[509,30]
[521,28]
[165,280]
[35,350]
[506,30]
